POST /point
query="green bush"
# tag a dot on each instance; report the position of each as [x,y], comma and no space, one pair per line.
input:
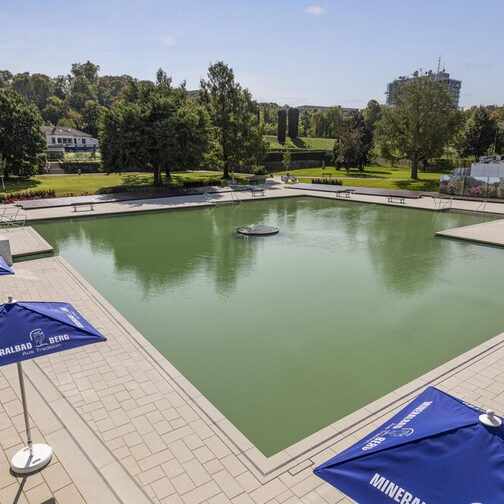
[84,166]
[326,181]
[55,155]
[258,170]
[186,184]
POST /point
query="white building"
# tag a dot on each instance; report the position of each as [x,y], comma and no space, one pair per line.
[60,136]
[487,166]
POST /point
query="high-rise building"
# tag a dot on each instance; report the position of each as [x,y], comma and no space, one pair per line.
[453,85]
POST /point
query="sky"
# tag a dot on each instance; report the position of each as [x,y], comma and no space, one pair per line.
[296,52]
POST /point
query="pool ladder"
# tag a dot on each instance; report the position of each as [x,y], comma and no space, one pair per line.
[209,200]
[234,197]
[443,204]
[481,207]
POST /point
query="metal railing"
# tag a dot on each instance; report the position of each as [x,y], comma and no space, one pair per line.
[443,203]
[12,217]
[481,207]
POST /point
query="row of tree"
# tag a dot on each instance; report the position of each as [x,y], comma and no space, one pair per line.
[75,100]
[150,126]
[162,127]
[424,124]
[158,125]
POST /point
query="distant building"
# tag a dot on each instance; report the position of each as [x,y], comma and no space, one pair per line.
[440,76]
[69,138]
[487,166]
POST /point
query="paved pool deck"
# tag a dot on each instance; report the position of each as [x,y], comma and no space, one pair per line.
[127,427]
[489,233]
[25,241]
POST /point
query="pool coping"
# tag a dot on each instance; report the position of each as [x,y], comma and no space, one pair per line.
[299,453]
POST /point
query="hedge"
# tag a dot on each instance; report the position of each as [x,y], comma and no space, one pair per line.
[327,181]
[83,166]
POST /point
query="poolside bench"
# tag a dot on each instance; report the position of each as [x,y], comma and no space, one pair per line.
[396,199]
[343,193]
[77,205]
[257,191]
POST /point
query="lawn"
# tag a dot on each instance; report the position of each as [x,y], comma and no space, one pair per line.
[93,183]
[326,144]
[422,184]
[382,177]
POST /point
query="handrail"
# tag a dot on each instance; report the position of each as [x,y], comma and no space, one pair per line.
[481,207]
[12,217]
[443,204]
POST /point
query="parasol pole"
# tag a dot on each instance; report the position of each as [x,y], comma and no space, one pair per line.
[32,457]
[25,407]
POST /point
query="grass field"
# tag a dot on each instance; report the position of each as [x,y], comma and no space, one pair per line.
[382,177]
[93,183]
[301,143]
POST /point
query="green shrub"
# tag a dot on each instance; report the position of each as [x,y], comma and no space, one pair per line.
[326,181]
[186,184]
[259,170]
[55,155]
[84,166]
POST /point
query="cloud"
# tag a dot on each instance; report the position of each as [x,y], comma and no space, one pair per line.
[168,40]
[314,10]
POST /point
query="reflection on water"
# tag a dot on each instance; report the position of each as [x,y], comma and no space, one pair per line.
[286,334]
[159,252]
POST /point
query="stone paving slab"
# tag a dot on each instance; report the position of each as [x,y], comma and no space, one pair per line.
[490,233]
[278,191]
[125,196]
[126,414]
[146,432]
[25,241]
[374,191]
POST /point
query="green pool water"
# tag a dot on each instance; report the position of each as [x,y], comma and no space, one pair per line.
[288,333]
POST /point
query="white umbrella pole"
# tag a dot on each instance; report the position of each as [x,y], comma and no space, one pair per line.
[33,457]
[25,406]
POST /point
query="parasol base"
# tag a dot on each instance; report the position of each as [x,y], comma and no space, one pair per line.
[490,419]
[25,462]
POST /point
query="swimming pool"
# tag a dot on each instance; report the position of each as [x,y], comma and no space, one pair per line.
[288,333]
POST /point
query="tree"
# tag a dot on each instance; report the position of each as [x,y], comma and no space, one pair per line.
[287,159]
[422,121]
[55,110]
[110,87]
[238,137]
[34,88]
[155,127]
[479,133]
[87,70]
[91,114]
[359,123]
[80,91]
[293,122]
[5,78]
[59,86]
[328,124]
[282,126]
[22,143]
[350,148]
[305,120]
[372,113]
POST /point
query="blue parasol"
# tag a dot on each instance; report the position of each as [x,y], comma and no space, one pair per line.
[32,329]
[436,450]
[5,269]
